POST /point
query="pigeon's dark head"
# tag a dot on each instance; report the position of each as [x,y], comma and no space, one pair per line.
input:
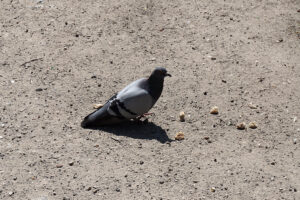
[160,72]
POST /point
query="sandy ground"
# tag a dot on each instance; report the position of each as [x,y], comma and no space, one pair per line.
[58,58]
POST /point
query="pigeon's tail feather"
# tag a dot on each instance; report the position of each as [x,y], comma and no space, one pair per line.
[100,117]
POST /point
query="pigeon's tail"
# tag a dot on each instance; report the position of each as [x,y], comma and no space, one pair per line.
[100,117]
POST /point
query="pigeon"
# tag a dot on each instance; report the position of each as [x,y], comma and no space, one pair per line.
[132,102]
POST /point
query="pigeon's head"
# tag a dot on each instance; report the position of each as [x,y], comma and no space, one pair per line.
[160,72]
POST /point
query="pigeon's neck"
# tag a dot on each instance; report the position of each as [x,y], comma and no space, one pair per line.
[155,87]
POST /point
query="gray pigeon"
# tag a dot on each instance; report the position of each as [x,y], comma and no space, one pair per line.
[133,101]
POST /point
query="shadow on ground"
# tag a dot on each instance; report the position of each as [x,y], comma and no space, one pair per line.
[145,131]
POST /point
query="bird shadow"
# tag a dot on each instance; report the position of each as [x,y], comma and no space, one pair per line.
[137,130]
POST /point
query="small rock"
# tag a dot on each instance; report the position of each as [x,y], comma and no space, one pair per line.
[39,89]
[214,110]
[206,138]
[59,166]
[71,163]
[118,190]
[252,106]
[212,189]
[253,125]
[152,59]
[295,140]
[179,136]
[241,126]
[161,182]
[12,81]
[280,40]
[94,76]
[141,162]
[295,119]
[182,116]
[97,106]
[10,193]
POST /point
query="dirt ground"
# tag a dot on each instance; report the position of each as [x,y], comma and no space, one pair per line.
[58,58]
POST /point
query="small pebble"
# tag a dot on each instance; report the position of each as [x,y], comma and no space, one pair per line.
[179,136]
[212,189]
[252,106]
[71,163]
[241,126]
[295,141]
[253,125]
[39,89]
[10,193]
[59,166]
[214,110]
[97,106]
[280,40]
[206,138]
[182,116]
[295,119]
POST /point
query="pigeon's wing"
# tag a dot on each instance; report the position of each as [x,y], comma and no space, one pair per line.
[102,116]
[134,100]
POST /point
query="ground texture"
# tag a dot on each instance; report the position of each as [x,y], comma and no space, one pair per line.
[58,58]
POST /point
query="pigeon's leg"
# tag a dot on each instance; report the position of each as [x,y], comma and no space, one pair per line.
[144,115]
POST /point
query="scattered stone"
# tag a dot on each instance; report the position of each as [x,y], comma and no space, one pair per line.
[295,140]
[179,136]
[241,126]
[212,189]
[213,58]
[59,166]
[93,76]
[252,106]
[280,40]
[12,81]
[161,182]
[295,119]
[182,116]
[97,106]
[206,138]
[71,163]
[214,110]
[141,162]
[273,163]
[39,89]
[253,125]
[10,193]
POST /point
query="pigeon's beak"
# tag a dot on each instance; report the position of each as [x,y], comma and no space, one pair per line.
[168,75]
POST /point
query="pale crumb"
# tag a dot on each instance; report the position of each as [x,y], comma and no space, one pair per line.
[97,106]
[182,116]
[241,126]
[253,125]
[252,106]
[179,136]
[214,110]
